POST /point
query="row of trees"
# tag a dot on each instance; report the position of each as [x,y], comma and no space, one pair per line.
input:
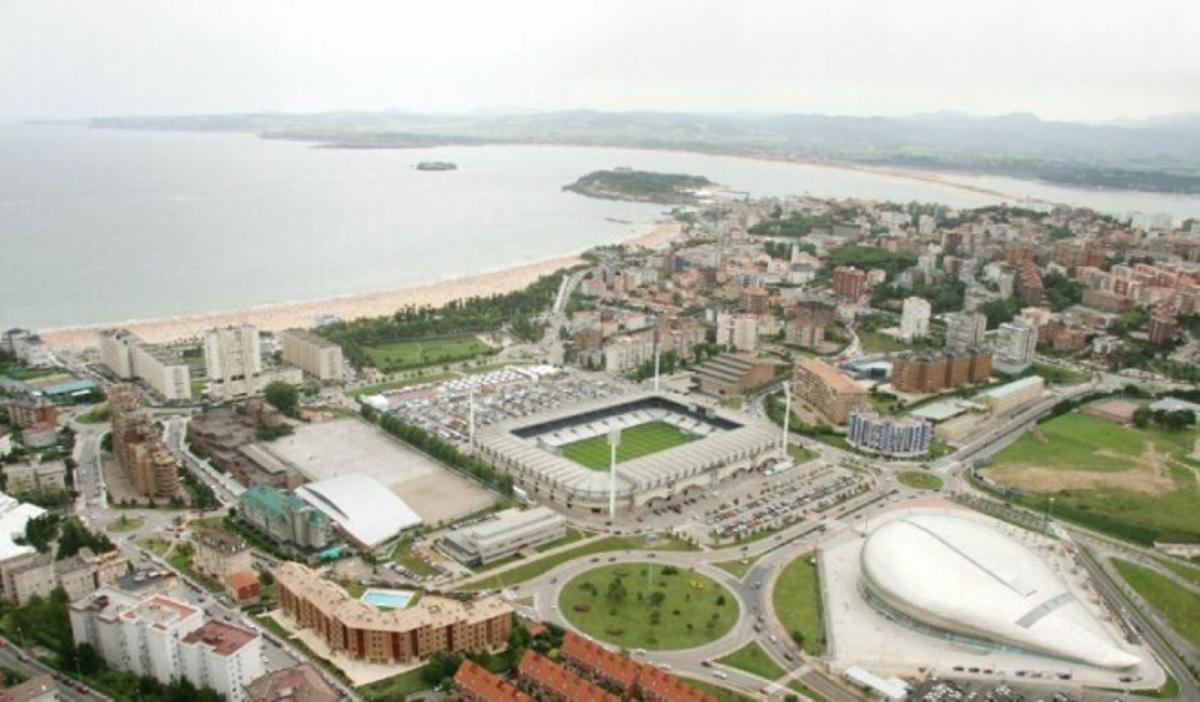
[42,531]
[472,315]
[441,450]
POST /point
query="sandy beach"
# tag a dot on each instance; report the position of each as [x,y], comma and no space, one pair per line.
[374,304]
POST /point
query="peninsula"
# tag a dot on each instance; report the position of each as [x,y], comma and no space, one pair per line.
[641,186]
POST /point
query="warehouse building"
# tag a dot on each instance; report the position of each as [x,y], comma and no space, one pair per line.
[509,532]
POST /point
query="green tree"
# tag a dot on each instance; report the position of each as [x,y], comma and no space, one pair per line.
[1141,417]
[282,397]
[617,591]
[41,530]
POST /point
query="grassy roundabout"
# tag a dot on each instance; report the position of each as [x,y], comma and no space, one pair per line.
[680,609]
[797,600]
[920,480]
[636,442]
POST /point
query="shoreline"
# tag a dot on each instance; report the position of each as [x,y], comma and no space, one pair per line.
[304,314]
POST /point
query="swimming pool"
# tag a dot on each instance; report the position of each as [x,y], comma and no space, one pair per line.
[394,599]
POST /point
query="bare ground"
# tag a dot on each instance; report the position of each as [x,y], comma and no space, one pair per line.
[1148,474]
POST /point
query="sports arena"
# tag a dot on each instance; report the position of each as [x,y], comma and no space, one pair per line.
[668,445]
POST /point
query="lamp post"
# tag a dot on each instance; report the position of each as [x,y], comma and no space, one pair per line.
[614,440]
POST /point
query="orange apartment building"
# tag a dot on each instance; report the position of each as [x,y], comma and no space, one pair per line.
[365,632]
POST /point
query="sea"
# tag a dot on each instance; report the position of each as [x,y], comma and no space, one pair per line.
[104,225]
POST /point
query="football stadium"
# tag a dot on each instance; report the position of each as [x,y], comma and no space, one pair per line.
[667,446]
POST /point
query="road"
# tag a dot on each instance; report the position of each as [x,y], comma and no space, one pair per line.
[17,659]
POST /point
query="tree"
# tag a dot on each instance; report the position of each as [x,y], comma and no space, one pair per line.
[616,591]
[1141,417]
[656,598]
[441,666]
[41,530]
[282,397]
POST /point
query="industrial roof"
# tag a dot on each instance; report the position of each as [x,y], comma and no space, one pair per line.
[963,576]
[363,507]
[1015,386]
[13,518]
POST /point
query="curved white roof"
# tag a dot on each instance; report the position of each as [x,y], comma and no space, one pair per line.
[363,507]
[961,575]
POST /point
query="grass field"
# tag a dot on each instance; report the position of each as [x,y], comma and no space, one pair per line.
[636,442]
[1181,607]
[691,610]
[920,480]
[876,342]
[797,600]
[754,660]
[1131,483]
[535,568]
[723,694]
[740,567]
[1057,375]
[424,352]
[800,454]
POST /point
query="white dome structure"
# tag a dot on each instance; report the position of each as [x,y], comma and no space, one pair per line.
[962,576]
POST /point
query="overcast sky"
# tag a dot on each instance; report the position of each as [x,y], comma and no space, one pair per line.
[1080,60]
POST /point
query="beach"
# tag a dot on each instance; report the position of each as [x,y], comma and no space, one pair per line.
[375,304]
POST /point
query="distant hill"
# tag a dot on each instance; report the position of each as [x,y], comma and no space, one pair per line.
[1156,154]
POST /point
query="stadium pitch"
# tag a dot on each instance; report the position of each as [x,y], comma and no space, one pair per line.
[637,441]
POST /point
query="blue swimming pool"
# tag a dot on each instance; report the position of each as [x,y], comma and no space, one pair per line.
[394,599]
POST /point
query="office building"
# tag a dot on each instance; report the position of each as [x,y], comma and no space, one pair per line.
[233,361]
[965,330]
[849,282]
[934,371]
[365,632]
[285,519]
[315,355]
[1015,347]
[890,436]
[914,319]
[738,331]
[826,389]
[510,531]
[1014,395]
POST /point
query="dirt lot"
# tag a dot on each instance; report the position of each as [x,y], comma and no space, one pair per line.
[1147,474]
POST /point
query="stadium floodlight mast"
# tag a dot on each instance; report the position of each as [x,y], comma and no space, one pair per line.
[787,414]
[657,353]
[614,440]
[471,417]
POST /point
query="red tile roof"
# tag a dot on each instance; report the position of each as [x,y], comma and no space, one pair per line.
[661,686]
[590,655]
[557,680]
[476,681]
[223,638]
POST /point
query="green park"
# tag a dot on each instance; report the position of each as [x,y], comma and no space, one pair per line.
[424,352]
[649,605]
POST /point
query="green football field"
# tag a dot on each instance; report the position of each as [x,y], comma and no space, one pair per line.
[636,442]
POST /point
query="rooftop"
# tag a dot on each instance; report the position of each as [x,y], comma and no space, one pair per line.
[481,684]
[224,639]
[363,507]
[829,375]
[300,683]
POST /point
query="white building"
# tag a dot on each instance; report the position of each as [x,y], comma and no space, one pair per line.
[233,361]
[965,330]
[127,356]
[914,318]
[739,331]
[508,532]
[626,353]
[27,347]
[164,638]
[315,355]
[364,509]
[1016,345]
[1015,394]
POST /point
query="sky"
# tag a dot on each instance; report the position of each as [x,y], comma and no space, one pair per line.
[1085,60]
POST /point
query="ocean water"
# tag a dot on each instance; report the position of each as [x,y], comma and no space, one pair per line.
[108,225]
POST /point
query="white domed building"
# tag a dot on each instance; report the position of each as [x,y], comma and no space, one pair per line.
[963,577]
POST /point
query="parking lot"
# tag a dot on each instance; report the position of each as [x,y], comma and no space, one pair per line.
[778,505]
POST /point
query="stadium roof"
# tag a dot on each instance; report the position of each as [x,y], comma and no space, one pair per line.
[363,507]
[963,576]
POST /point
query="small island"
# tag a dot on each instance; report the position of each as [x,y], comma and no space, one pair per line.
[641,186]
[436,166]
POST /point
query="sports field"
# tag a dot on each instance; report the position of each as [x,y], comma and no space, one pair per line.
[638,441]
[424,352]
[1132,483]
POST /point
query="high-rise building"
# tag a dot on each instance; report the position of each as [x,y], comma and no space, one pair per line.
[929,371]
[892,436]
[139,448]
[914,318]
[965,330]
[754,300]
[315,355]
[127,356]
[233,360]
[738,330]
[849,282]
[1015,347]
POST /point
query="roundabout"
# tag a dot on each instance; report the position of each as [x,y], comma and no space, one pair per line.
[655,606]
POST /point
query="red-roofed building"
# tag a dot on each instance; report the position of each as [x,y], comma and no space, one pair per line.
[476,684]
[555,682]
[300,683]
[243,585]
[656,685]
[598,661]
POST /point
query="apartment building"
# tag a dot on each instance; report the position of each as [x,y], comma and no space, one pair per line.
[826,389]
[739,331]
[315,355]
[965,330]
[35,477]
[233,361]
[1015,346]
[914,318]
[849,282]
[364,632]
[32,410]
[165,639]
[139,447]
[284,518]
[220,554]
[890,436]
[128,357]
[934,371]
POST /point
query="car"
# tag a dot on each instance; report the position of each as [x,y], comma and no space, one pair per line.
[788,657]
[720,675]
[758,585]
[706,664]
